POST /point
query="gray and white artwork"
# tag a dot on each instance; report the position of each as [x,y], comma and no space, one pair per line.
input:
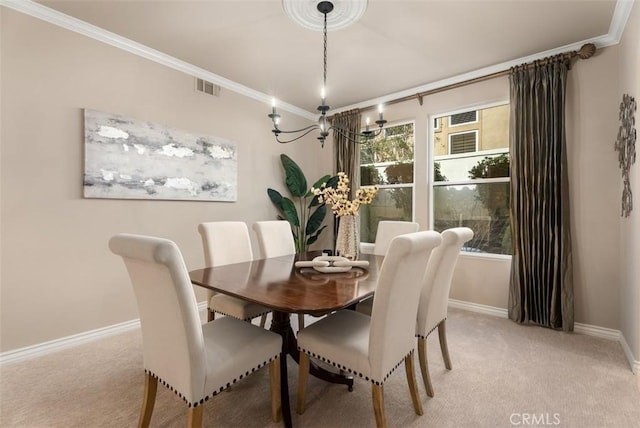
[131,159]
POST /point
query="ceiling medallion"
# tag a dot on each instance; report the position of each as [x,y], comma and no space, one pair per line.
[306,14]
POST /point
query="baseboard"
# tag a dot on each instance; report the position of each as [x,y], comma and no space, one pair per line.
[635,364]
[41,349]
[586,329]
[477,307]
[602,332]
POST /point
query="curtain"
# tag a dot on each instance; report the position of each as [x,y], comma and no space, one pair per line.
[541,283]
[347,153]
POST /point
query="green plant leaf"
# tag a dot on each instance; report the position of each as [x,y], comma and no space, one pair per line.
[313,238]
[290,212]
[318,184]
[294,177]
[330,182]
[315,220]
[306,224]
[276,198]
[333,182]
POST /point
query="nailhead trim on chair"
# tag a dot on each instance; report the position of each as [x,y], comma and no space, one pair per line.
[341,367]
[214,393]
[432,330]
[245,319]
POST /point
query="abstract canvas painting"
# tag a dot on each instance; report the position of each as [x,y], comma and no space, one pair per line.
[132,159]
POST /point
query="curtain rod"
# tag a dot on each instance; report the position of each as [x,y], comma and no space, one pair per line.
[585,52]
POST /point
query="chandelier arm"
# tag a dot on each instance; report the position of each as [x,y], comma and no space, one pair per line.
[352,136]
[348,135]
[296,138]
[307,128]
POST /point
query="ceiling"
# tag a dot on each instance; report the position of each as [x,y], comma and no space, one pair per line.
[395,47]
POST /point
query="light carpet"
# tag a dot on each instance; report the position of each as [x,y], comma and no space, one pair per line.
[504,374]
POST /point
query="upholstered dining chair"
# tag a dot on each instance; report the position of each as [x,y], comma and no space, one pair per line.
[193,360]
[372,347]
[274,240]
[227,242]
[434,299]
[387,230]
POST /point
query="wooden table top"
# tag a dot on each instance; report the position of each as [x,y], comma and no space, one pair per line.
[279,285]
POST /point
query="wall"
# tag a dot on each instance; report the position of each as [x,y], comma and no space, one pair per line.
[593,170]
[630,226]
[58,277]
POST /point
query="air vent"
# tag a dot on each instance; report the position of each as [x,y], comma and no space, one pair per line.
[207,87]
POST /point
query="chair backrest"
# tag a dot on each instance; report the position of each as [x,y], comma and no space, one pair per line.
[225,242]
[434,298]
[395,302]
[173,343]
[387,230]
[274,238]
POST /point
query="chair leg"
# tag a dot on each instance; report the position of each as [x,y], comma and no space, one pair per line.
[413,385]
[300,321]
[263,320]
[303,377]
[442,335]
[150,389]
[194,417]
[210,315]
[424,366]
[274,375]
[377,393]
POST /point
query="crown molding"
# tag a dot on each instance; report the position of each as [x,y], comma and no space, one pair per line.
[619,20]
[44,13]
[616,29]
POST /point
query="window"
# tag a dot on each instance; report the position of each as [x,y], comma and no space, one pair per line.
[463,118]
[463,142]
[470,184]
[387,161]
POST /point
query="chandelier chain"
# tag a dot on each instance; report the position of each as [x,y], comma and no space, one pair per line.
[323,124]
[324,77]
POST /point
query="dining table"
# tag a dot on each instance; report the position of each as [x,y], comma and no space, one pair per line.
[278,284]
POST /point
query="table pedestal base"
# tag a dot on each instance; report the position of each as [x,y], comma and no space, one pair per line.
[281,324]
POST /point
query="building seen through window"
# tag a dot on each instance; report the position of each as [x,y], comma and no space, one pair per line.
[471,176]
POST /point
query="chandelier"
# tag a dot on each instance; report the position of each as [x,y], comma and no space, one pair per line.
[323,125]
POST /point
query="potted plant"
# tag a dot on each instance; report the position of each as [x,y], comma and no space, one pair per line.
[302,209]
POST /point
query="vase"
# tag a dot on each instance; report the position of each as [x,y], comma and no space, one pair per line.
[348,241]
